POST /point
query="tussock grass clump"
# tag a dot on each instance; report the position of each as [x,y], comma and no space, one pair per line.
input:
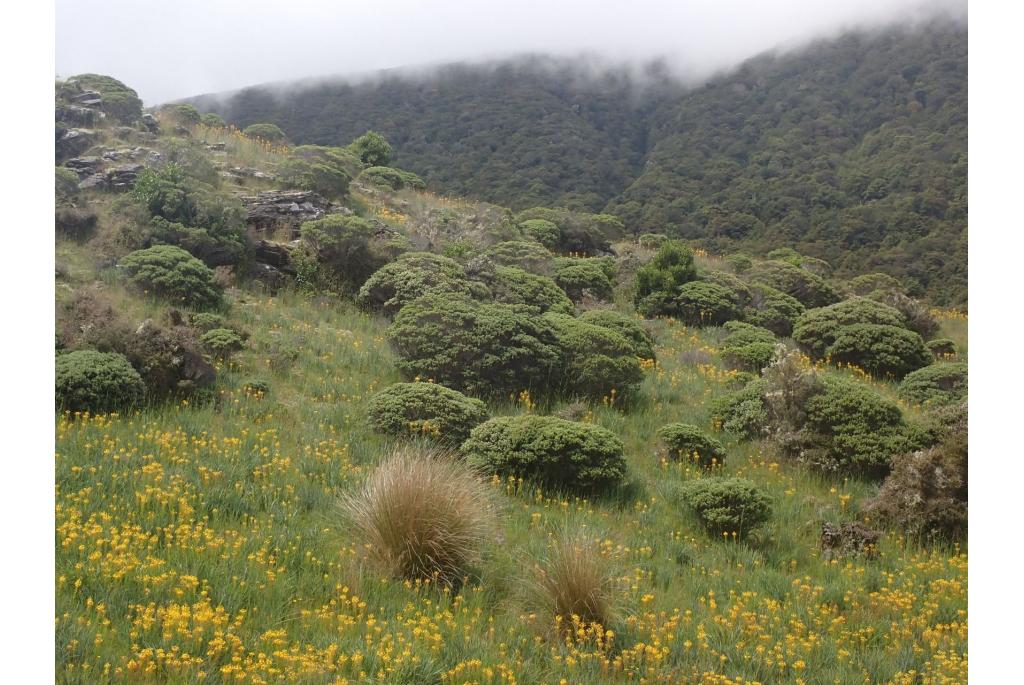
[573,582]
[422,516]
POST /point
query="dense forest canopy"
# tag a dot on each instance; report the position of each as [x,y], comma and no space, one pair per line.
[852,150]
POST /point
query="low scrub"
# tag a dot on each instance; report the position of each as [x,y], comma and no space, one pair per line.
[425,409]
[685,442]
[936,384]
[174,274]
[97,382]
[727,506]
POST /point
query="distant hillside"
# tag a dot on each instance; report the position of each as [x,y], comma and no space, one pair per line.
[852,150]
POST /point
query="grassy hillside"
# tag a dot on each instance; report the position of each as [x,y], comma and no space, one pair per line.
[852,150]
[199,533]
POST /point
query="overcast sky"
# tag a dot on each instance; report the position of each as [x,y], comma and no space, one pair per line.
[173,49]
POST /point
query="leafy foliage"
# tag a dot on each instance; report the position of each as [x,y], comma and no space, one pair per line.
[885,351]
[641,341]
[817,329]
[686,442]
[412,275]
[97,382]
[271,133]
[172,273]
[802,285]
[596,361]
[510,285]
[580,278]
[543,231]
[936,384]
[425,409]
[727,505]
[372,149]
[658,281]
[700,303]
[221,342]
[748,347]
[554,452]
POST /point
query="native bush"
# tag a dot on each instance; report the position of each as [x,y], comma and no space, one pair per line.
[916,314]
[941,347]
[596,362]
[221,343]
[213,120]
[885,351]
[685,442]
[119,101]
[866,284]
[817,329]
[553,452]
[172,273]
[271,133]
[206,321]
[510,285]
[748,347]
[372,149]
[97,382]
[699,303]
[772,309]
[739,262]
[543,231]
[182,114]
[412,275]
[344,252]
[658,281]
[316,175]
[743,411]
[628,327]
[486,349]
[652,241]
[727,505]
[65,184]
[809,289]
[395,179]
[936,384]
[583,277]
[427,410]
[523,254]
[744,295]
[423,517]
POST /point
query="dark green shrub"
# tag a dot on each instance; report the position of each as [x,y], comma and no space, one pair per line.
[865,284]
[743,412]
[685,442]
[425,409]
[344,252]
[372,149]
[172,273]
[97,382]
[556,453]
[744,295]
[206,321]
[583,277]
[213,120]
[317,175]
[579,233]
[257,388]
[748,347]
[740,263]
[221,342]
[727,505]
[641,341]
[483,349]
[941,347]
[700,303]
[936,384]
[412,275]
[884,351]
[785,254]
[596,362]
[817,329]
[183,114]
[510,285]
[809,289]
[523,254]
[658,281]
[271,133]
[543,231]
[395,179]
[916,314]
[772,309]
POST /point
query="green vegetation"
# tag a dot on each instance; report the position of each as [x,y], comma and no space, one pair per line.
[727,506]
[936,384]
[686,442]
[271,133]
[172,273]
[425,409]
[96,382]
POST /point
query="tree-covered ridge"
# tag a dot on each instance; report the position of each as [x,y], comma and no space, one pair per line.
[853,150]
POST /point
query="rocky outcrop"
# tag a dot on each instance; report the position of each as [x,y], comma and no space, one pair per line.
[277,255]
[85,166]
[123,177]
[283,211]
[75,115]
[71,142]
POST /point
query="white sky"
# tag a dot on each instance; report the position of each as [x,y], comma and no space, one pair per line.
[174,49]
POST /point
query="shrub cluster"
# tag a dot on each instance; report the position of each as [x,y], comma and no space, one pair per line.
[264,131]
[702,303]
[566,455]
[543,231]
[685,442]
[936,384]
[221,343]
[372,149]
[341,252]
[524,254]
[412,275]
[97,382]
[171,272]
[772,309]
[658,281]
[540,294]
[326,171]
[595,361]
[639,339]
[748,347]
[809,289]
[727,505]
[428,410]
[395,179]
[580,278]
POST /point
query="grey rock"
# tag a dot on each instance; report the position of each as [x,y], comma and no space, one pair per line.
[85,166]
[72,142]
[75,115]
[276,210]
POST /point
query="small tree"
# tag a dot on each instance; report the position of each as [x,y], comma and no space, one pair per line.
[343,250]
[563,454]
[271,133]
[658,281]
[172,273]
[372,149]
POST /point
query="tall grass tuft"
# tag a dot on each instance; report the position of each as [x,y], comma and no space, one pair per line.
[573,583]
[423,516]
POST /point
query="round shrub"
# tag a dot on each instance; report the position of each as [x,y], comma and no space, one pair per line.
[395,179]
[213,120]
[270,132]
[481,348]
[412,275]
[652,241]
[936,384]
[744,295]
[658,281]
[689,443]
[628,327]
[596,362]
[727,505]
[171,272]
[527,255]
[425,409]
[916,314]
[423,517]
[884,351]
[344,250]
[206,321]
[817,329]
[772,309]
[583,277]
[510,285]
[865,284]
[372,149]
[554,452]
[543,231]
[811,290]
[748,347]
[941,347]
[706,304]
[221,342]
[97,382]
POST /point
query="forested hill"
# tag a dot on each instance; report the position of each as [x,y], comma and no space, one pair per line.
[853,150]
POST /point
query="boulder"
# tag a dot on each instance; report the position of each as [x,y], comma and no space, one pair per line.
[71,142]
[75,115]
[150,123]
[271,277]
[277,255]
[89,98]
[283,210]
[85,166]
[97,181]
[123,177]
